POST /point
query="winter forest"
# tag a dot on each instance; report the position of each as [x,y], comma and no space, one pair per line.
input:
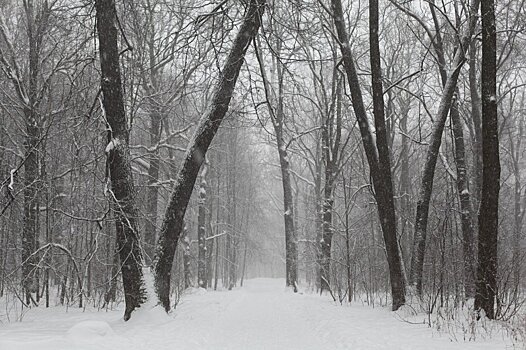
[261,174]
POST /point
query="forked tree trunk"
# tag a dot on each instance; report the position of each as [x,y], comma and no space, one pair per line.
[205,132]
[489,204]
[118,158]
[464,195]
[379,162]
[426,185]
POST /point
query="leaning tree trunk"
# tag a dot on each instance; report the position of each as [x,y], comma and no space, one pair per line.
[118,158]
[206,130]
[426,185]
[466,211]
[380,169]
[489,204]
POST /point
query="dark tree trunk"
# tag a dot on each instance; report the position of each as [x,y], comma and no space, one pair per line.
[37,24]
[380,171]
[31,179]
[173,220]
[489,204]
[118,158]
[384,183]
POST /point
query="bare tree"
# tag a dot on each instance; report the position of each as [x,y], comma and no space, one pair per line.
[118,158]
[205,132]
[377,154]
[489,204]
[428,173]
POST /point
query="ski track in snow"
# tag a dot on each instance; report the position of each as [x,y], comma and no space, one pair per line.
[261,315]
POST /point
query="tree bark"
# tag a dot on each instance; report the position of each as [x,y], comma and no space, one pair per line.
[489,204]
[206,130]
[118,158]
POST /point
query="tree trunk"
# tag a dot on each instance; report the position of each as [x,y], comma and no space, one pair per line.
[153,187]
[465,201]
[31,178]
[327,232]
[477,125]
[426,185]
[489,204]
[291,259]
[202,278]
[384,183]
[118,158]
[186,259]
[278,122]
[380,169]
[206,130]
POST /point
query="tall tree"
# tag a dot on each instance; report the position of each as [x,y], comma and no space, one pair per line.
[195,155]
[377,154]
[278,118]
[29,98]
[118,158]
[489,204]
[428,172]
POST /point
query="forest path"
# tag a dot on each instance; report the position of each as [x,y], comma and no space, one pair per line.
[261,315]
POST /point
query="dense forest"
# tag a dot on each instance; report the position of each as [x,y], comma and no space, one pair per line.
[364,150]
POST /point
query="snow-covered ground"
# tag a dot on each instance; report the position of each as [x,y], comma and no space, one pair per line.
[261,315]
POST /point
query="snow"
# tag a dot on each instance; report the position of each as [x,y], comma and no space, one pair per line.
[261,315]
[112,145]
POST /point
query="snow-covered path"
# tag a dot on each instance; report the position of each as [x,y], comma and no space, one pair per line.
[261,315]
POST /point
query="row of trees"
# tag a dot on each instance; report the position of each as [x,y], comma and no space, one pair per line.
[357,112]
